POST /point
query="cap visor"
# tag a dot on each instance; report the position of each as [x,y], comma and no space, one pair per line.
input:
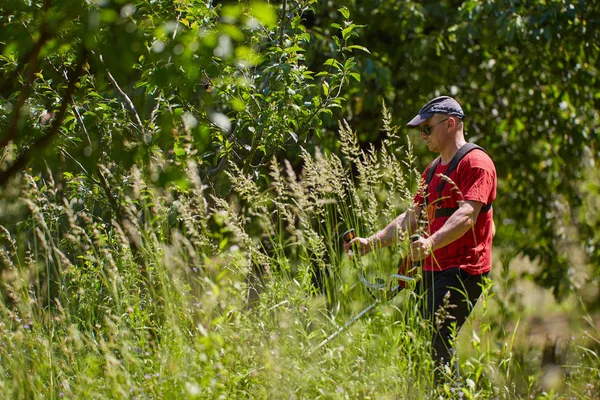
[419,119]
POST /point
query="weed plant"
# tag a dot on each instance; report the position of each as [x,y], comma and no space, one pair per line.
[173,293]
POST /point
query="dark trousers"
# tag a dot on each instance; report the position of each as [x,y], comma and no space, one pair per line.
[447,299]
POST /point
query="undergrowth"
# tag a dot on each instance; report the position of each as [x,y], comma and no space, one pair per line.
[173,293]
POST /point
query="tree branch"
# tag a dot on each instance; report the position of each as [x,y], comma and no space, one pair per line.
[33,60]
[126,99]
[44,141]
[282,28]
[33,53]
[215,172]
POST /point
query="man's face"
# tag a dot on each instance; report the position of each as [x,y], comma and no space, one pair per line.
[433,132]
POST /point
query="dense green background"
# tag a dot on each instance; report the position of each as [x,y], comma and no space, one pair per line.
[161,159]
[84,85]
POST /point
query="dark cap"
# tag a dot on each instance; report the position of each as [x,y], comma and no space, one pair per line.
[440,105]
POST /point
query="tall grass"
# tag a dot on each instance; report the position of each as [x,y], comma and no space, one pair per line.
[179,294]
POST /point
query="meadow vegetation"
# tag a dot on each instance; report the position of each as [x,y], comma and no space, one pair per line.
[175,178]
[193,296]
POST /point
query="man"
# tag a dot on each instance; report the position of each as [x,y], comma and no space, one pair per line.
[455,247]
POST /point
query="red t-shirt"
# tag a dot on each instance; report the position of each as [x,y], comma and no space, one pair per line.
[475,178]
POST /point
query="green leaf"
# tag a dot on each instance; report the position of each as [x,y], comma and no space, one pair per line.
[68,119]
[347,32]
[326,111]
[334,63]
[354,46]
[325,86]
[264,13]
[237,104]
[308,75]
[233,32]
[248,56]
[345,12]
[231,12]
[355,76]
[295,49]
[349,63]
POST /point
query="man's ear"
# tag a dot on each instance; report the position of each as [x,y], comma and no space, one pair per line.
[453,123]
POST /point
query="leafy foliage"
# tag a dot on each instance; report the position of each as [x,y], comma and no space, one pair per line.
[525,73]
[163,84]
[175,179]
[190,80]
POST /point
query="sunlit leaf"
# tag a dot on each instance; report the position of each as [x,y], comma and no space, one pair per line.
[345,12]
[362,48]
[247,56]
[264,13]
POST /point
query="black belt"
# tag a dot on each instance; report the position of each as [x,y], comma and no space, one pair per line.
[446,212]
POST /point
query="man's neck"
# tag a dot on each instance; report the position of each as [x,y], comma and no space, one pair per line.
[449,151]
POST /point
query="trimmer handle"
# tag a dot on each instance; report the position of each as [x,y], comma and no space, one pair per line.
[349,235]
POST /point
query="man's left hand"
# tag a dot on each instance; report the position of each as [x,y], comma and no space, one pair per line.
[420,249]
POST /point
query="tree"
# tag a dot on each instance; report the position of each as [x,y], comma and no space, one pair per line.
[166,86]
[526,74]
[196,82]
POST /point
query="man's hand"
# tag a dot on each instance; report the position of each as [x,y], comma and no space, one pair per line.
[420,249]
[363,245]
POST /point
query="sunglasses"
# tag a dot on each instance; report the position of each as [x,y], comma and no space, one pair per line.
[426,130]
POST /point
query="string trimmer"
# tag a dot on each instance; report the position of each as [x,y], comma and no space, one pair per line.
[382,290]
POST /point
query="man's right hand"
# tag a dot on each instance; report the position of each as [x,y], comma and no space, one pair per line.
[364,246]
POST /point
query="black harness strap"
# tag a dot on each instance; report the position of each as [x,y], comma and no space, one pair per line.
[460,154]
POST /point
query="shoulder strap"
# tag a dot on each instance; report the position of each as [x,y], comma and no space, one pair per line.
[460,154]
[429,177]
[431,170]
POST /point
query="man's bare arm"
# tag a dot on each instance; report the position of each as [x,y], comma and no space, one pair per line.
[405,222]
[455,227]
